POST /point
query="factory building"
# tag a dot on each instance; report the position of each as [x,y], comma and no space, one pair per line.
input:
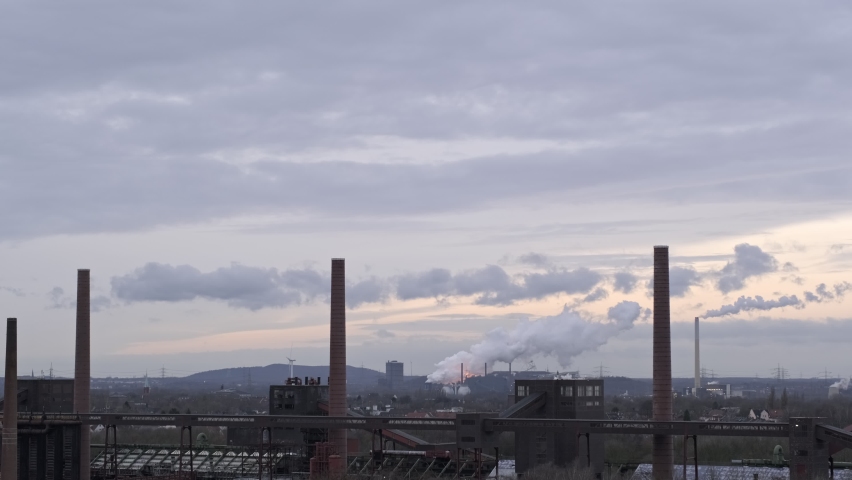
[394,373]
[559,399]
[45,395]
[294,398]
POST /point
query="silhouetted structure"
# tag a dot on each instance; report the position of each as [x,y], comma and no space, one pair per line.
[9,467]
[82,365]
[663,454]
[558,399]
[337,357]
[394,373]
[45,395]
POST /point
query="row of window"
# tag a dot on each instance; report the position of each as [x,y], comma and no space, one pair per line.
[582,390]
[287,394]
[596,403]
[566,390]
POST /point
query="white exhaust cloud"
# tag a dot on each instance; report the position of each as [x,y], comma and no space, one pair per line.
[747,304]
[563,336]
[842,384]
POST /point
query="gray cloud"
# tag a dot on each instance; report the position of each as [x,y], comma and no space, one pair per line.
[14,291]
[228,120]
[58,300]
[597,294]
[749,261]
[682,279]
[747,304]
[433,283]
[238,285]
[624,282]
[535,259]
[494,286]
[384,333]
[369,290]
[825,293]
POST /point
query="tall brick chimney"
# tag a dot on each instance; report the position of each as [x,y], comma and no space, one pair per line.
[663,455]
[10,405]
[337,360]
[82,366]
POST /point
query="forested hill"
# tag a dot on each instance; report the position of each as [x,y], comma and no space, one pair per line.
[277,373]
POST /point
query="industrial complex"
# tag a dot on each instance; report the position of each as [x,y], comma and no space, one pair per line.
[307,430]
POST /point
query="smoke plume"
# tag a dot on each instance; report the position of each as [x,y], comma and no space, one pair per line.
[563,336]
[843,383]
[746,304]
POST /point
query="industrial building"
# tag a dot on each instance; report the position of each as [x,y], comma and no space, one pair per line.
[50,395]
[558,399]
[394,373]
[553,420]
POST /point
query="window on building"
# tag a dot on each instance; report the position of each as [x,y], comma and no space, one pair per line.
[289,394]
[590,391]
[566,390]
[597,390]
[523,390]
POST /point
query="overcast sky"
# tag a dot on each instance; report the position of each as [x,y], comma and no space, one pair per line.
[477,164]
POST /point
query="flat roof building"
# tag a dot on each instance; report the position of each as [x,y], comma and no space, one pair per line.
[394,373]
[563,399]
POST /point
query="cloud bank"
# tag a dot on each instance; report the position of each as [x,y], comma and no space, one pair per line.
[238,285]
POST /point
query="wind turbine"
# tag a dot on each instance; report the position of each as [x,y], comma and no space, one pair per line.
[291,361]
[291,365]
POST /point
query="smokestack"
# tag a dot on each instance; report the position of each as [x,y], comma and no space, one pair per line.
[697,360]
[486,369]
[10,406]
[461,377]
[82,366]
[337,361]
[663,455]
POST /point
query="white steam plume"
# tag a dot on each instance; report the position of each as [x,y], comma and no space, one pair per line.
[745,304]
[843,384]
[563,336]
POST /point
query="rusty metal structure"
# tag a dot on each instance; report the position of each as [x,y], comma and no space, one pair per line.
[9,468]
[82,364]
[663,454]
[337,355]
